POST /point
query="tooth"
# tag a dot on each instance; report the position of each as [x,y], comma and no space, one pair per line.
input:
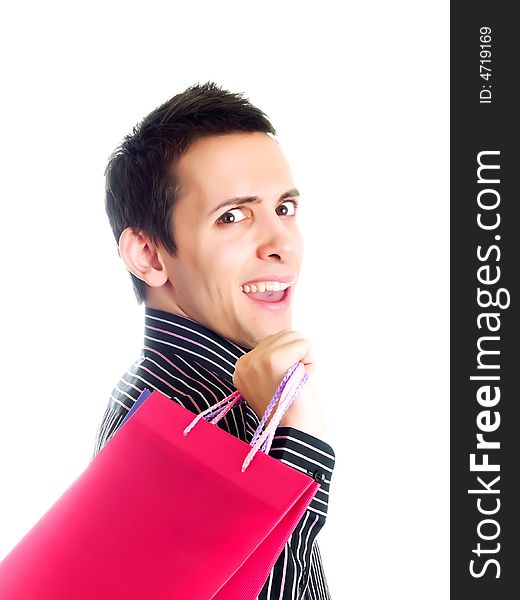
[263,286]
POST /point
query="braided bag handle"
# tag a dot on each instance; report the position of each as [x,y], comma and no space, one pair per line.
[289,389]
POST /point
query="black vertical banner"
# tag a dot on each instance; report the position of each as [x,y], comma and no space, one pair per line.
[485,298]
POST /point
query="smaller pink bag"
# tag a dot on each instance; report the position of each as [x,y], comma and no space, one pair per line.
[171,508]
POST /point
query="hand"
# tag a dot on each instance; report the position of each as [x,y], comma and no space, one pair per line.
[259,372]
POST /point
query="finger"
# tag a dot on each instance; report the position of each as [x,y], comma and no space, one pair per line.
[294,351]
[310,368]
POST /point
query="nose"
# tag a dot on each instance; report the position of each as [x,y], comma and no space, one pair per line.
[279,239]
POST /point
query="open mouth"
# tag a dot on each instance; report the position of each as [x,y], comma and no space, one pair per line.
[270,292]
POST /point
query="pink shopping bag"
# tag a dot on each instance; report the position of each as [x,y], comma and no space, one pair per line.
[171,508]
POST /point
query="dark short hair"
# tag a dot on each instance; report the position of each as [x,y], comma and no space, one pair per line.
[141,186]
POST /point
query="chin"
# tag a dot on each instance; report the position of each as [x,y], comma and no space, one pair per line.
[256,329]
[260,334]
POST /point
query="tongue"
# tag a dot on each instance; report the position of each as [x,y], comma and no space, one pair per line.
[267,296]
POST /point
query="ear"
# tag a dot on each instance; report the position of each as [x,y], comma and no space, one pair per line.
[142,258]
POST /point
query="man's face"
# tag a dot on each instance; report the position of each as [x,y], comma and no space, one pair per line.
[225,244]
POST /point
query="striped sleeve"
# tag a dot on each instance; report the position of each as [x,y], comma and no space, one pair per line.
[114,414]
[317,588]
[309,455]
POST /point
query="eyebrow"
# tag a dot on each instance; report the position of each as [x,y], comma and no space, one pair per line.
[239,200]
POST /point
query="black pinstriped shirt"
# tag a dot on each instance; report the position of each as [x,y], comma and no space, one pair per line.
[194,366]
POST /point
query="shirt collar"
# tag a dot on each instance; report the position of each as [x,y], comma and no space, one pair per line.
[175,335]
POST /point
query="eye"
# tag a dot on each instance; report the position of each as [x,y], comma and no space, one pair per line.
[289,208]
[229,216]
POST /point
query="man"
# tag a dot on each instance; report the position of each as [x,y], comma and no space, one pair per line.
[203,205]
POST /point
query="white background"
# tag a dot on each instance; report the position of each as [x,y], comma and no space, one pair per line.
[359,94]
